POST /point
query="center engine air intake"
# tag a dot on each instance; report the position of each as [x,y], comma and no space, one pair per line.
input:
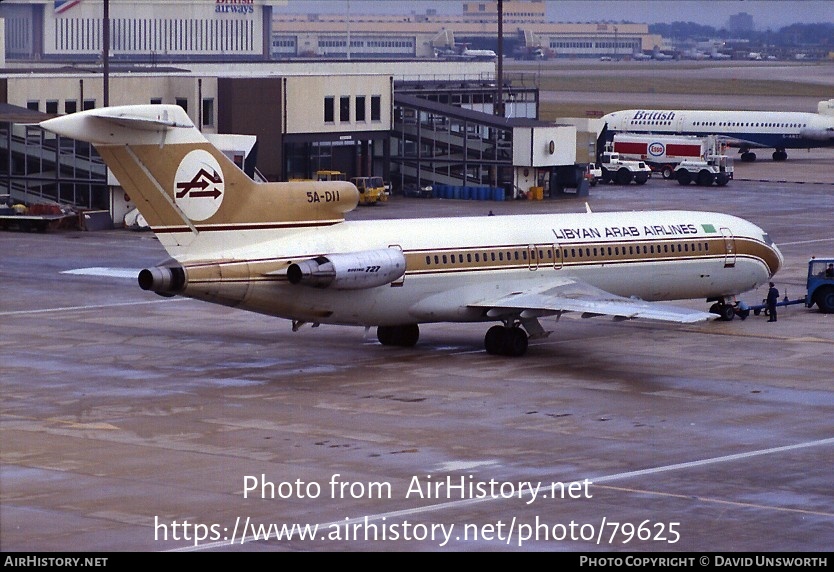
[164,280]
[351,271]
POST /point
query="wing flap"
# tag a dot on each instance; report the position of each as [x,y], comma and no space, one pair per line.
[732,141]
[571,295]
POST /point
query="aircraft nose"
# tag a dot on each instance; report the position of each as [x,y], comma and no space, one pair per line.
[778,262]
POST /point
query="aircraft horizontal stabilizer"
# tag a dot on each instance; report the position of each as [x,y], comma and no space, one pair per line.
[127,125]
[140,122]
[576,296]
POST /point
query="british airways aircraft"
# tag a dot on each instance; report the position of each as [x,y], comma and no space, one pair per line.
[779,130]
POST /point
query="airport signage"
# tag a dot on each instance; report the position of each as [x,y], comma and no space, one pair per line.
[234,6]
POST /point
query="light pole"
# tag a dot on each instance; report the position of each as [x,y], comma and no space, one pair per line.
[348,29]
[105,54]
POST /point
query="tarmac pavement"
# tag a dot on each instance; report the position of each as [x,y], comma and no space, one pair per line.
[132,422]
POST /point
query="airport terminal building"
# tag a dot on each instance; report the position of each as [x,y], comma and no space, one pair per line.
[166,31]
[414,121]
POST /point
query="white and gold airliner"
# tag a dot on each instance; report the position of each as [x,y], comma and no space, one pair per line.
[285,249]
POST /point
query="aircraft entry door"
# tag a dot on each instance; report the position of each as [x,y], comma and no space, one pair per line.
[543,256]
[729,247]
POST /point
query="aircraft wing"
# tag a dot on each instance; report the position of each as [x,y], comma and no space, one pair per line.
[731,141]
[571,295]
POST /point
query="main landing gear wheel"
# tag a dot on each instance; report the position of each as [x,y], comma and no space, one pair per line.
[725,311]
[402,336]
[748,157]
[780,155]
[506,341]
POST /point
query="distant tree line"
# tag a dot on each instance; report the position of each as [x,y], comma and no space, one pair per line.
[795,35]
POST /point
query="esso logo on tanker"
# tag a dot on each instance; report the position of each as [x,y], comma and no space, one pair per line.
[656,149]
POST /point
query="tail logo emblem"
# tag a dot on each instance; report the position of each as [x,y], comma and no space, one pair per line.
[198,186]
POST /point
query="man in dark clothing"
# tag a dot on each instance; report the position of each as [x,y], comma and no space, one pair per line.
[772,298]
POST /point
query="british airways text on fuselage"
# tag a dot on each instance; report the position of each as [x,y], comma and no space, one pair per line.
[653,115]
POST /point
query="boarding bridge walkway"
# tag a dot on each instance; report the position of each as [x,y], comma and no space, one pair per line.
[437,143]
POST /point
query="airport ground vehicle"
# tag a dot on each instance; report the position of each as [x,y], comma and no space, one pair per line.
[819,288]
[371,190]
[593,174]
[685,158]
[620,170]
[35,217]
[322,175]
[418,191]
[716,169]
[330,176]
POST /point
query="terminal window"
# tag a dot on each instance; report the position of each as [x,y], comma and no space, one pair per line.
[208,112]
[344,108]
[376,108]
[360,108]
[329,110]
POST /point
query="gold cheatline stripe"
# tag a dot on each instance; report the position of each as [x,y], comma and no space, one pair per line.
[571,254]
[245,226]
[416,265]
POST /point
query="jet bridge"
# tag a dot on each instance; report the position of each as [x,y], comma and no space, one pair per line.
[435,143]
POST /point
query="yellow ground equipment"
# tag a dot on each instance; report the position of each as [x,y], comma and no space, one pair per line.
[371,190]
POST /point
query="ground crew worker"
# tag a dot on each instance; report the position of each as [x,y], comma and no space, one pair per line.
[772,298]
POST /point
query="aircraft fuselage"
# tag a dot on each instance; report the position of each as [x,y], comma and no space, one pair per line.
[746,129]
[452,262]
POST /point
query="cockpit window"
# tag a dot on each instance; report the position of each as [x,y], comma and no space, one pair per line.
[767,240]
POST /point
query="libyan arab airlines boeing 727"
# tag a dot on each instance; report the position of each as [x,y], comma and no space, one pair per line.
[746,130]
[285,249]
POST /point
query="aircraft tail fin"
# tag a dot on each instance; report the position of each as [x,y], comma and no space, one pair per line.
[190,193]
